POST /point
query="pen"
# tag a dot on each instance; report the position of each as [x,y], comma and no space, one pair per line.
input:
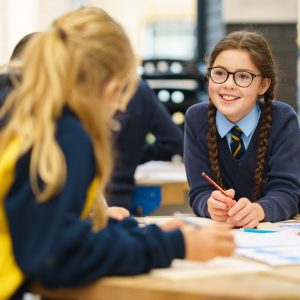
[217,187]
[258,230]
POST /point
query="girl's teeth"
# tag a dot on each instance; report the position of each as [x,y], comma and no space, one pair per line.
[229,98]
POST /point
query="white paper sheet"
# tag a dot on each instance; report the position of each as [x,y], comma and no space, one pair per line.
[260,240]
[189,218]
[274,256]
[290,225]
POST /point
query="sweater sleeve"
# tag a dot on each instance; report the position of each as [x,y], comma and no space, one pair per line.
[281,193]
[196,159]
[53,245]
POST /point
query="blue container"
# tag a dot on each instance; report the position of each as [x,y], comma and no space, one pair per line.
[146,199]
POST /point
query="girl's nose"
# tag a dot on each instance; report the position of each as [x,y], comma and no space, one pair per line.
[230,83]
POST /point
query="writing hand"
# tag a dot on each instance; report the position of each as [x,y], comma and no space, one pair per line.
[219,204]
[212,240]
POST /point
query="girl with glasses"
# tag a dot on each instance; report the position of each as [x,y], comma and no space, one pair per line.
[243,139]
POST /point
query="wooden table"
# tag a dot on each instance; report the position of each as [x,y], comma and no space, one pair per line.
[145,287]
[270,284]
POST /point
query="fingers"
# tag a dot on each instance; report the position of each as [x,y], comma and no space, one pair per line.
[117,212]
[221,231]
[217,200]
[252,217]
[240,205]
[251,224]
[224,240]
[230,193]
[209,242]
[219,218]
[243,214]
[217,206]
[218,215]
[226,248]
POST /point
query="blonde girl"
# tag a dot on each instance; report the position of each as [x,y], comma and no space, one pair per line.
[56,159]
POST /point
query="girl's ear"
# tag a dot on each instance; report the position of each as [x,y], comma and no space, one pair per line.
[265,84]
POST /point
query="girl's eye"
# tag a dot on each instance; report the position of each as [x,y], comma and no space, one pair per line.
[243,75]
[219,73]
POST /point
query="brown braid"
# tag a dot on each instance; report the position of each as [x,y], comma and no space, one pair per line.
[212,144]
[265,128]
[261,55]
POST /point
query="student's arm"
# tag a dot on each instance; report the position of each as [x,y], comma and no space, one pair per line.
[53,245]
[196,158]
[168,135]
[282,190]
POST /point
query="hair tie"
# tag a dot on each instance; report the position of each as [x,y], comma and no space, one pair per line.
[62,34]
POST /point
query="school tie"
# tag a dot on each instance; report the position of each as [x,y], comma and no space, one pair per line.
[237,145]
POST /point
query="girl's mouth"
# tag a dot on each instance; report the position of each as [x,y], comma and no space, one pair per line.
[229,98]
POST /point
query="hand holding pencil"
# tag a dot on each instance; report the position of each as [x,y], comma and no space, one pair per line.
[229,203]
[223,208]
[220,201]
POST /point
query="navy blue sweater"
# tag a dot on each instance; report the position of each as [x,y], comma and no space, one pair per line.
[53,245]
[280,195]
[5,86]
[144,114]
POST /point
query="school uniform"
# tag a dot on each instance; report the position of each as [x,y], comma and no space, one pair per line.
[52,242]
[281,192]
[144,114]
[5,86]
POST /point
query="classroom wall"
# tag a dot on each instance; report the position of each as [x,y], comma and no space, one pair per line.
[277,20]
[260,11]
[15,23]
[140,13]
[18,18]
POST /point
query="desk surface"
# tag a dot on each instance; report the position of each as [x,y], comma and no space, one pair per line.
[145,287]
[273,283]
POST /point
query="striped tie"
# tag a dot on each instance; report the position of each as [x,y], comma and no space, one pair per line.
[237,145]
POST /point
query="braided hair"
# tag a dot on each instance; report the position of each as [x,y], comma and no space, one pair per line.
[261,55]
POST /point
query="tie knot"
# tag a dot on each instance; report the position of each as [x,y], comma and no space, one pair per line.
[236,131]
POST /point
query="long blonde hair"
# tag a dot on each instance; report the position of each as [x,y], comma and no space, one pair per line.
[67,66]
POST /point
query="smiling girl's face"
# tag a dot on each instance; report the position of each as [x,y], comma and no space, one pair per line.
[233,101]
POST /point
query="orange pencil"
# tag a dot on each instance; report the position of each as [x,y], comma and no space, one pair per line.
[218,188]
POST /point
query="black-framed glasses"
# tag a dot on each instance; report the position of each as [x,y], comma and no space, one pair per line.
[241,78]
